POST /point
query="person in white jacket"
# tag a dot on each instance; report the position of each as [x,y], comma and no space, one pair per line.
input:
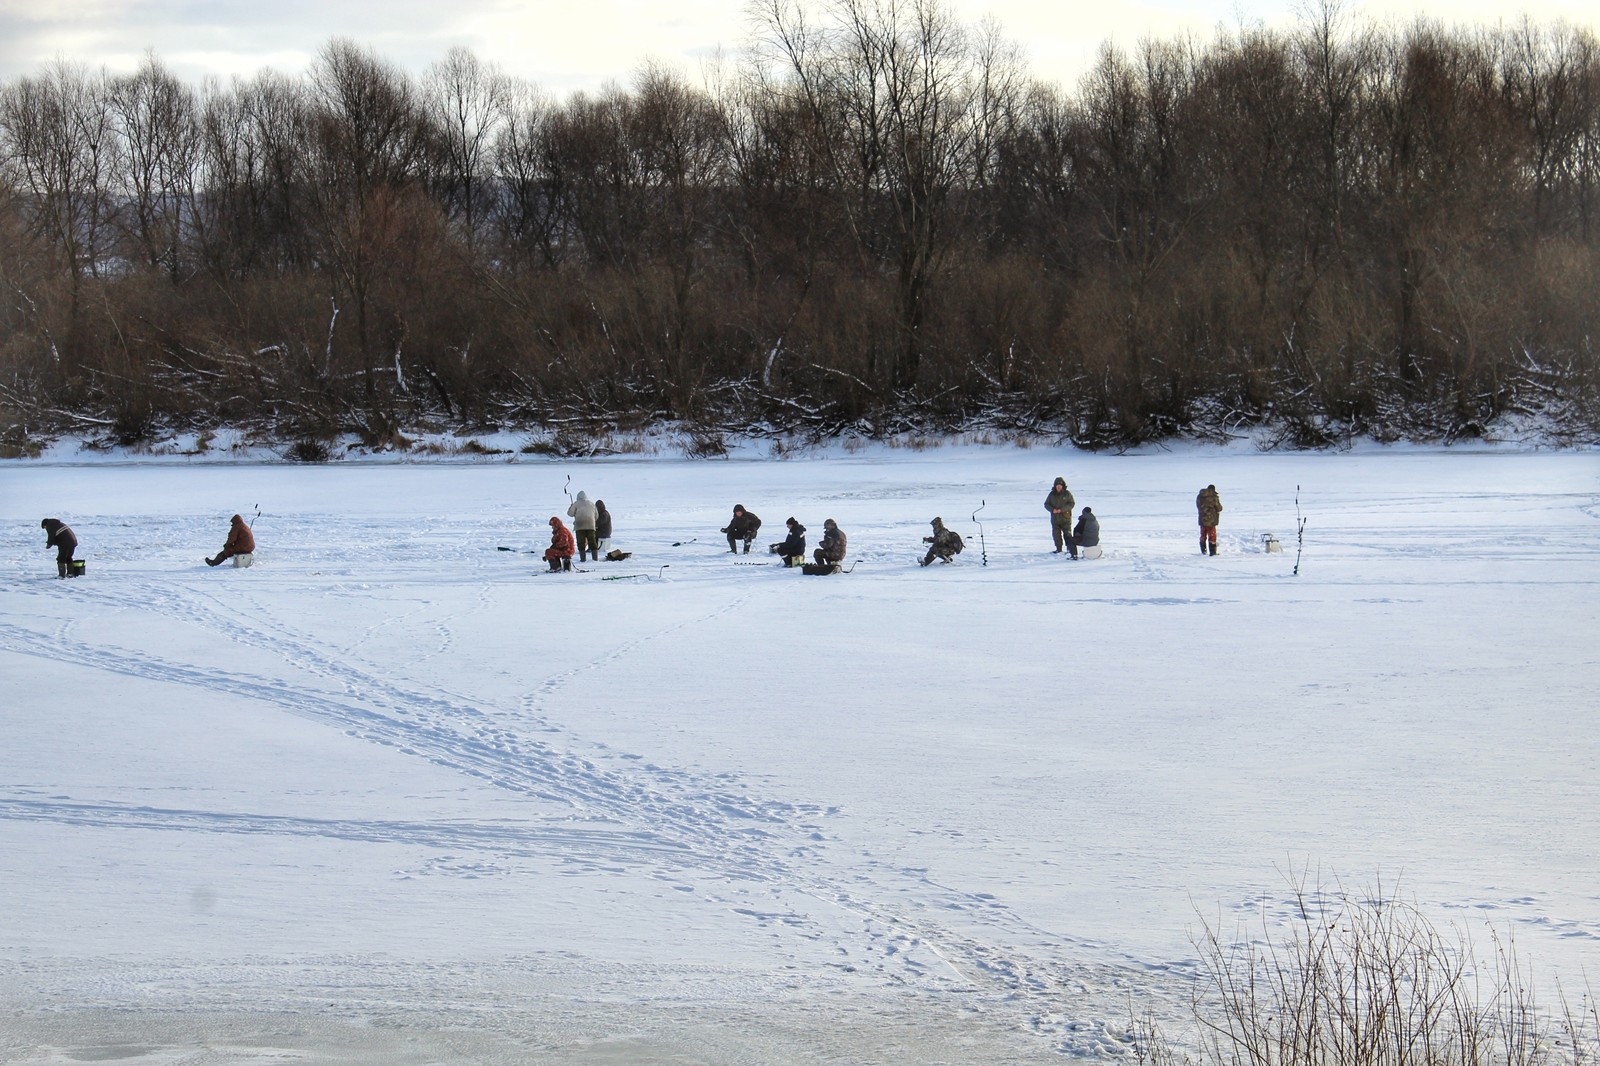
[582,512]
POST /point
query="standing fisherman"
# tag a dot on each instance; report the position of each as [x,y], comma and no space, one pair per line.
[584,515]
[1209,506]
[59,535]
[602,527]
[1060,503]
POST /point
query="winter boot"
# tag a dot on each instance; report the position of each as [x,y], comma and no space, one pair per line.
[1213,547]
[61,568]
[566,563]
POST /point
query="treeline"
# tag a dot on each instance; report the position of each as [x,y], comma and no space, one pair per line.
[874,220]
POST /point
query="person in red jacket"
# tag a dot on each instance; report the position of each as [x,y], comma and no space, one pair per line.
[562,546]
[240,546]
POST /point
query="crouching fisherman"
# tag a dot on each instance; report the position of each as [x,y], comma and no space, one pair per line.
[945,544]
[562,546]
[240,546]
[59,535]
[793,547]
[743,526]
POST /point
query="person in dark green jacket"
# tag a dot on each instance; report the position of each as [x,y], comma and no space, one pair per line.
[1059,503]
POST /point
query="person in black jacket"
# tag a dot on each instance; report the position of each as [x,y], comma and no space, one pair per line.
[1086,534]
[59,535]
[602,528]
[793,547]
[743,527]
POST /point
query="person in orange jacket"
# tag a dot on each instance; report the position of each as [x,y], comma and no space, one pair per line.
[240,546]
[562,546]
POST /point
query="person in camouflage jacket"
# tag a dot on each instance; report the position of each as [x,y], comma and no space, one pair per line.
[945,543]
[1209,506]
[834,544]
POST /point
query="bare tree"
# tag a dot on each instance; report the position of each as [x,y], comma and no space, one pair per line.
[1550,78]
[62,151]
[156,117]
[905,97]
[467,102]
[369,138]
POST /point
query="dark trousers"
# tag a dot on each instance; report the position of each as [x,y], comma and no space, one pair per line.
[1061,533]
[588,541]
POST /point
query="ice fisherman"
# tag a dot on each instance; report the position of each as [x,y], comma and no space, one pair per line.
[1086,534]
[945,543]
[834,544]
[1209,506]
[559,554]
[240,545]
[602,528]
[1060,503]
[59,535]
[584,515]
[793,547]
[743,526]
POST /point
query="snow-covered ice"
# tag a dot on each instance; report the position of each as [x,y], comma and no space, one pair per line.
[393,795]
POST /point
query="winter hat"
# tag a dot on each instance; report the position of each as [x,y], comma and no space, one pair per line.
[554,521]
[1087,511]
[937,522]
[790,521]
[738,508]
[830,523]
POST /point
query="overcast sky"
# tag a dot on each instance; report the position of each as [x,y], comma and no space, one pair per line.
[565,45]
